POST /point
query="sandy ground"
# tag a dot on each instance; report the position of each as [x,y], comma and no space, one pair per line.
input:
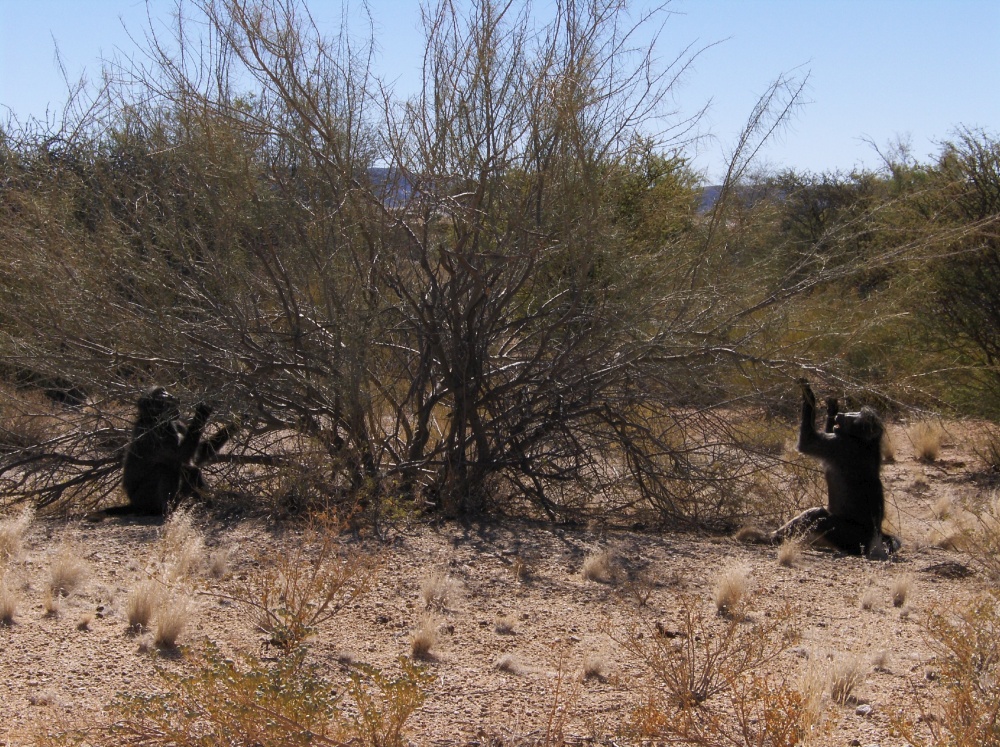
[517,620]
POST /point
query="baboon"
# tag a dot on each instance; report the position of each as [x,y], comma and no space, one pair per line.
[161,463]
[850,451]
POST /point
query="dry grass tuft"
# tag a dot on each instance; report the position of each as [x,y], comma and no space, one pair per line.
[505,625]
[927,436]
[900,590]
[172,615]
[438,590]
[602,567]
[943,508]
[12,535]
[523,568]
[730,589]
[182,545]
[219,561]
[67,572]
[142,602]
[846,673]
[424,638]
[870,599]
[790,552]
[594,668]
[887,447]
[8,602]
[507,663]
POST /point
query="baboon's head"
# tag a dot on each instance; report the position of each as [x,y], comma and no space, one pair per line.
[158,405]
[864,425]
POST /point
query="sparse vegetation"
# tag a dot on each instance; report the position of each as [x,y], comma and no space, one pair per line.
[12,536]
[142,602]
[790,552]
[424,637]
[846,673]
[172,616]
[730,589]
[67,571]
[8,601]
[927,437]
[601,566]
[900,589]
[438,590]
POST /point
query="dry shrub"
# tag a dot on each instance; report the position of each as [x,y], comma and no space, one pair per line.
[927,436]
[217,699]
[709,687]
[67,572]
[981,536]
[27,418]
[887,448]
[12,535]
[790,552]
[438,590]
[900,589]
[298,590]
[142,601]
[505,625]
[987,447]
[967,713]
[943,508]
[595,667]
[424,638]
[509,664]
[846,673]
[602,567]
[172,615]
[729,590]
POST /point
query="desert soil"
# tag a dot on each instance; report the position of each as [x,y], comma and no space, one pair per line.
[505,643]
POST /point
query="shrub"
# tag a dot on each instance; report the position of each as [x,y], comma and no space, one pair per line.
[295,592]
[285,702]
[968,646]
[708,686]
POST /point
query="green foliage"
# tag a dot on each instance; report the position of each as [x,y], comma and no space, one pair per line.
[384,704]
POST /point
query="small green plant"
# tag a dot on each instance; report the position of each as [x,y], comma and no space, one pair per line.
[384,704]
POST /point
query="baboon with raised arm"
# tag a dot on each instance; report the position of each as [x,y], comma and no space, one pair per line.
[849,448]
[161,463]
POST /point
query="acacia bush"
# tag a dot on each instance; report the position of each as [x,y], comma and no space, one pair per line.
[501,294]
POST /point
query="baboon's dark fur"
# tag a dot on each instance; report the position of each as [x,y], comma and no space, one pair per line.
[161,463]
[850,449]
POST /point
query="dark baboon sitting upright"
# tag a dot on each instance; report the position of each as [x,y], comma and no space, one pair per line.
[850,452]
[162,457]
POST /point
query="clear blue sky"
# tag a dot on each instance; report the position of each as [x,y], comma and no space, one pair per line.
[879,68]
